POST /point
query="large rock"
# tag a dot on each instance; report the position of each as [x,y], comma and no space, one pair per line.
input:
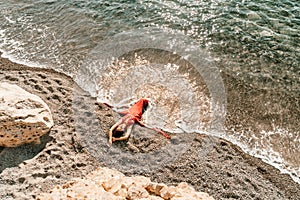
[24,117]
[105,183]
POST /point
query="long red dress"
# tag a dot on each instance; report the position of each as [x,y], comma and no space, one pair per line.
[134,115]
[135,112]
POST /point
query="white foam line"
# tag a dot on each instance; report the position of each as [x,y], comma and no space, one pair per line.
[269,160]
[32,64]
[22,62]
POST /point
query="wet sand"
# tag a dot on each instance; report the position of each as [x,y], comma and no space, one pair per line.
[210,164]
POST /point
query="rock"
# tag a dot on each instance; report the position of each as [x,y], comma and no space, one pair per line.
[105,183]
[141,180]
[136,191]
[100,176]
[168,192]
[156,187]
[82,189]
[113,185]
[155,198]
[184,191]
[24,117]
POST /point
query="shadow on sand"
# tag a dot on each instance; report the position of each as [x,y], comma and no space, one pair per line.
[12,156]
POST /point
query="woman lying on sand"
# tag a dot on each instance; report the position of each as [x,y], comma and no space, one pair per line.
[132,115]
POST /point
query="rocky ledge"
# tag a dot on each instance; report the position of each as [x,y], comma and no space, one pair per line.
[105,183]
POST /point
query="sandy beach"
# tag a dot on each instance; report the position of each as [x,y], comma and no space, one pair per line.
[210,164]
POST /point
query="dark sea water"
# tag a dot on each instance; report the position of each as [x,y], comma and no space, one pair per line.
[256,43]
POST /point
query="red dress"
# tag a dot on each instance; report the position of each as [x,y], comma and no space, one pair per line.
[134,115]
[135,112]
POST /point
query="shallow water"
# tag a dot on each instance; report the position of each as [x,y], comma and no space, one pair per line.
[171,93]
[256,42]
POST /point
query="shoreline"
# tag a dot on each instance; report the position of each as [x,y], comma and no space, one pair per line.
[226,77]
[241,175]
